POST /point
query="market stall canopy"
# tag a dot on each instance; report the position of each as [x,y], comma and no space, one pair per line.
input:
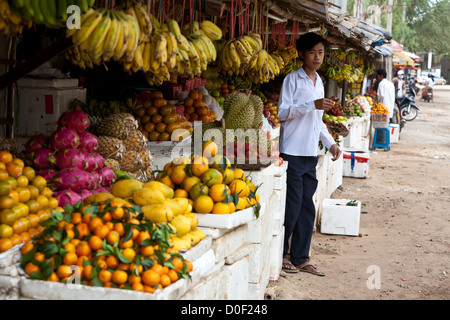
[315,10]
[401,59]
[396,46]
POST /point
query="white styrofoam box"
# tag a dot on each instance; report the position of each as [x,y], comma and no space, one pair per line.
[229,242]
[10,271]
[279,183]
[238,254]
[237,280]
[277,209]
[10,257]
[334,175]
[276,255]
[259,257]
[48,82]
[394,130]
[198,250]
[264,179]
[257,290]
[365,123]
[39,289]
[9,288]
[354,133]
[338,218]
[40,107]
[226,221]
[356,164]
[167,151]
[213,232]
[321,176]
[209,287]
[279,171]
[204,263]
[363,145]
[260,230]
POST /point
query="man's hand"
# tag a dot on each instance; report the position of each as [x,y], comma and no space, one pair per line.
[324,104]
[336,152]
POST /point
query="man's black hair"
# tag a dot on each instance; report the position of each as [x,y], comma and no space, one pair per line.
[381,72]
[308,40]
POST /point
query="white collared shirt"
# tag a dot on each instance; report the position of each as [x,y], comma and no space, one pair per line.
[301,123]
[386,95]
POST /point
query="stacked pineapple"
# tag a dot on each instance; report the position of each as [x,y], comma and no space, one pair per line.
[123,146]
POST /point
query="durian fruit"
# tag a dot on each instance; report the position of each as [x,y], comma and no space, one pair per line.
[131,162]
[136,141]
[110,148]
[258,106]
[240,114]
[119,126]
[113,164]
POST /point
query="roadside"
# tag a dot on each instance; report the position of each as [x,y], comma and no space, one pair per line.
[405,222]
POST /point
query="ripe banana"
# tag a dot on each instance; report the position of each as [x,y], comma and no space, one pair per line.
[211,30]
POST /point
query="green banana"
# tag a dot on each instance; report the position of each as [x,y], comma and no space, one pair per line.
[62,11]
[38,16]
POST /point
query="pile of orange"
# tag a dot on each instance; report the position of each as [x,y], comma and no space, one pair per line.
[25,201]
[209,182]
[105,245]
[195,109]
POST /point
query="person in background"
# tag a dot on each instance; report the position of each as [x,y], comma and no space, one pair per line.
[386,91]
[300,110]
[429,82]
[399,85]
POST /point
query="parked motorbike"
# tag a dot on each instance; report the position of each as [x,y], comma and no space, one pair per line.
[407,107]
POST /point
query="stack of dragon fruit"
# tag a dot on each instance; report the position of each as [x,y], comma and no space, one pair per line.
[68,161]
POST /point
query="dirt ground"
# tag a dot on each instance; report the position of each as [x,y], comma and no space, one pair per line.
[403,251]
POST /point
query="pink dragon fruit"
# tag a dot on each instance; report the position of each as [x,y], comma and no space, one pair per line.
[36,142]
[76,120]
[66,197]
[64,138]
[91,162]
[88,141]
[72,178]
[71,158]
[47,174]
[43,158]
[84,194]
[99,160]
[98,190]
[96,181]
[107,176]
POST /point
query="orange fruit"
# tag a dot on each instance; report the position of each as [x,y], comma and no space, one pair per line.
[39,257]
[165,280]
[4,176]
[18,162]
[6,157]
[29,173]
[173,276]
[137,286]
[15,195]
[147,251]
[112,262]
[126,244]
[70,258]
[87,271]
[22,181]
[83,229]
[27,247]
[95,242]
[209,149]
[129,254]
[43,201]
[69,246]
[24,194]
[5,188]
[119,277]
[180,193]
[104,276]
[177,263]
[14,170]
[25,236]
[218,192]
[143,235]
[39,182]
[150,277]
[221,208]
[30,268]
[199,165]
[46,192]
[94,223]
[34,220]
[5,244]
[189,265]
[119,228]
[112,237]
[203,204]
[76,218]
[53,277]
[240,187]
[83,248]
[101,231]
[63,271]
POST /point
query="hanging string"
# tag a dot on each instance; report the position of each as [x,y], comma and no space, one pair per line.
[248,16]
[182,15]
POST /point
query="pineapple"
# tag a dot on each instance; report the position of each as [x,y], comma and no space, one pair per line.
[112,163]
[119,126]
[136,141]
[109,147]
[131,162]
[147,158]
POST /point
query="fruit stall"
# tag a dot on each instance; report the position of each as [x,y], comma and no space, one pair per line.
[118,173]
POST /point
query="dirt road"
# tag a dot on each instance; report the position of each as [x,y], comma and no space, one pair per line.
[404,250]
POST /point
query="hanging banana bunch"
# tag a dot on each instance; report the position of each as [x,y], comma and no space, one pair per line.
[10,19]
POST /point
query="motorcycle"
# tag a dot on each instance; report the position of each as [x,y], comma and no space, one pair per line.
[407,108]
[427,94]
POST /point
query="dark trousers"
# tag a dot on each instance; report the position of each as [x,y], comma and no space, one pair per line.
[300,209]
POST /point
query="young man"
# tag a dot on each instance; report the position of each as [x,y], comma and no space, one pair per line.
[385,91]
[300,110]
[399,85]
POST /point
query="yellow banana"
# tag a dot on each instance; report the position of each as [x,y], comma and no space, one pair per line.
[143,18]
[134,37]
[146,56]
[161,49]
[236,62]
[257,38]
[125,39]
[211,30]
[97,38]
[247,45]
[138,62]
[210,45]
[205,49]
[240,49]
[112,38]
[87,27]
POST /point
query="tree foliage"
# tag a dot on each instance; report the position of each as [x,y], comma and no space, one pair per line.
[419,25]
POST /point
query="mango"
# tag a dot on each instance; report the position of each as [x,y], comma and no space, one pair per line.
[193,218]
[125,188]
[98,197]
[174,205]
[166,190]
[157,212]
[146,196]
[182,224]
[183,202]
